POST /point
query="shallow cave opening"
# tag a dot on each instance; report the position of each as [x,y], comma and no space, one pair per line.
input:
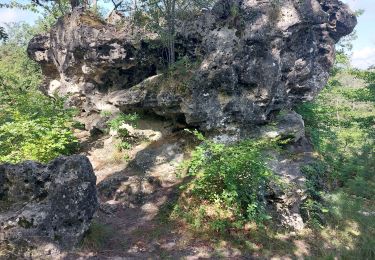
[299,91]
[180,119]
[176,121]
[118,78]
[272,115]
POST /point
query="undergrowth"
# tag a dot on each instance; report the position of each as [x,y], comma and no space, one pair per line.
[341,184]
[32,125]
[120,125]
[177,77]
[227,187]
[223,182]
[314,207]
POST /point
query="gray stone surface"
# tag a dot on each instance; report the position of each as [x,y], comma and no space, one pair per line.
[251,59]
[45,208]
[285,200]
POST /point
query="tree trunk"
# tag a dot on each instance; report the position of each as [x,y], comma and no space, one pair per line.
[173,30]
[171,17]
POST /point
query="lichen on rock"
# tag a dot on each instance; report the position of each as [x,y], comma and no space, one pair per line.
[45,209]
[254,59]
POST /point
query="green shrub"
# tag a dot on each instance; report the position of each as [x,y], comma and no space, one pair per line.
[32,126]
[233,176]
[125,140]
[121,119]
[314,207]
[340,124]
[124,146]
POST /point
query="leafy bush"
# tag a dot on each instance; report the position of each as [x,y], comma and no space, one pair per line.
[32,126]
[314,206]
[116,124]
[340,124]
[234,177]
[3,34]
[124,146]
[121,119]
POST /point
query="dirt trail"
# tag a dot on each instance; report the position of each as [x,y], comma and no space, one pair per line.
[136,197]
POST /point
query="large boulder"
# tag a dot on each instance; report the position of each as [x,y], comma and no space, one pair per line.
[262,56]
[247,60]
[45,209]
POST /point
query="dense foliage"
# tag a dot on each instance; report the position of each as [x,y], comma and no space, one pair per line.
[228,185]
[118,124]
[341,184]
[32,126]
[340,123]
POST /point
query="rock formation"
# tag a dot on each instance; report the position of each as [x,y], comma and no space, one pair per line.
[45,208]
[245,61]
[240,65]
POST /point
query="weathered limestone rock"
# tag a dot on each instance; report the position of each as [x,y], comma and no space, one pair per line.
[45,208]
[251,59]
[286,125]
[286,202]
[260,57]
[246,63]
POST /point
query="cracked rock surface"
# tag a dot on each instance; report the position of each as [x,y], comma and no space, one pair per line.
[45,208]
[249,59]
